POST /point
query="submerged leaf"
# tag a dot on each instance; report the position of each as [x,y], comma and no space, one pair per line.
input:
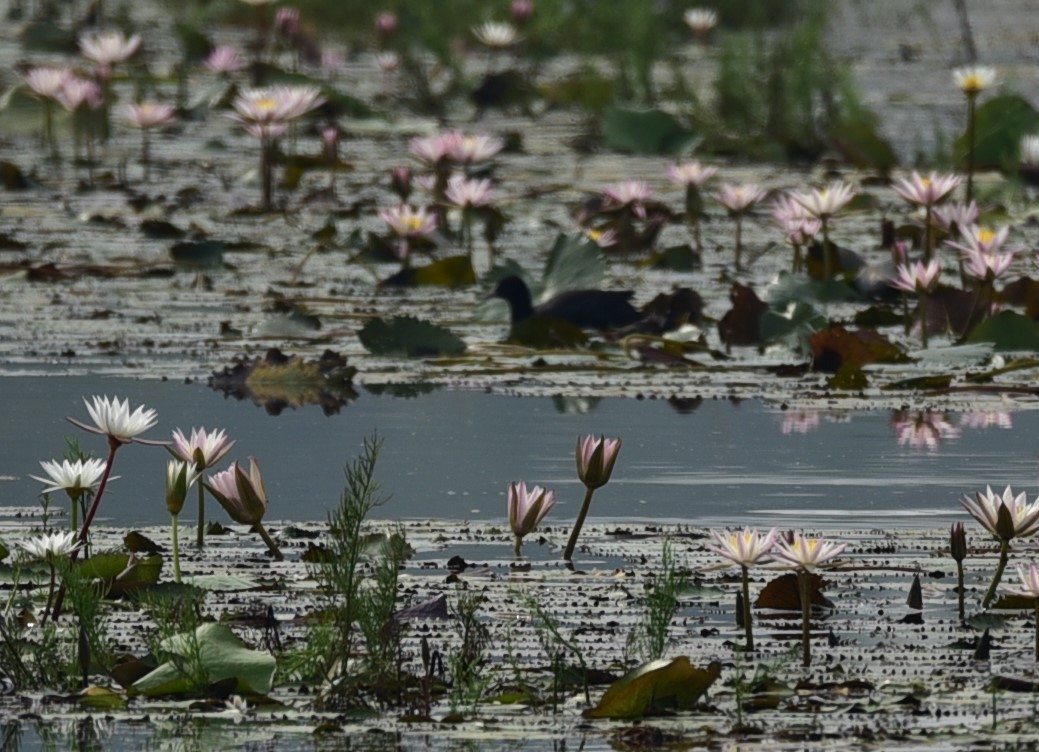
[656,686]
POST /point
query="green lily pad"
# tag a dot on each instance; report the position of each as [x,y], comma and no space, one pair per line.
[574,263]
[998,126]
[1007,330]
[119,573]
[657,685]
[794,326]
[451,272]
[645,132]
[405,336]
[221,655]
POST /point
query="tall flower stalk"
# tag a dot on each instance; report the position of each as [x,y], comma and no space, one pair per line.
[745,549]
[805,556]
[958,549]
[1006,517]
[972,80]
[1029,577]
[180,476]
[595,461]
[738,200]
[921,279]
[823,204]
[50,548]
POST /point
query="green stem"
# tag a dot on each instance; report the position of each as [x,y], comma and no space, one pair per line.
[959,587]
[746,609]
[517,546]
[1037,629]
[200,532]
[827,260]
[50,591]
[271,545]
[804,579]
[928,239]
[971,100]
[739,240]
[921,305]
[571,544]
[1004,555]
[176,546]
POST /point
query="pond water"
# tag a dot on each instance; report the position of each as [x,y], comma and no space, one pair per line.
[449,454]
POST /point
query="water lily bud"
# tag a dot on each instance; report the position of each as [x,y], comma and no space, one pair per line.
[242,496]
[527,509]
[958,542]
[180,476]
[595,460]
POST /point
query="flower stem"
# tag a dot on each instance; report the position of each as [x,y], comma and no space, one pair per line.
[571,544]
[517,547]
[805,579]
[271,545]
[928,239]
[200,533]
[50,591]
[959,587]
[746,609]
[113,446]
[971,100]
[1037,629]
[1004,554]
[739,240]
[176,547]
[921,305]
[827,260]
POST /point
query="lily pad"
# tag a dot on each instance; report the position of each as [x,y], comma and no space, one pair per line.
[645,132]
[451,272]
[999,125]
[221,655]
[406,336]
[1007,330]
[121,573]
[656,686]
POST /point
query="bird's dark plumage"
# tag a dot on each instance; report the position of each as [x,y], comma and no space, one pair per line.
[587,309]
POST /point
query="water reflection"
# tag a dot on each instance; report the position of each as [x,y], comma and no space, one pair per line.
[923,429]
[450,454]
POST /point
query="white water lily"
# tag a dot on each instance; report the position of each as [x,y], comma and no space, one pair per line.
[114,419]
[74,477]
[51,546]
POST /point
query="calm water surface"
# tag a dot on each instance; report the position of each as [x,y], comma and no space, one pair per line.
[449,454]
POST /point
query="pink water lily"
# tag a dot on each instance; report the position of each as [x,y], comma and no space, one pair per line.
[807,554]
[926,191]
[690,173]
[823,203]
[202,448]
[527,509]
[244,498]
[1023,519]
[918,277]
[595,459]
[744,548]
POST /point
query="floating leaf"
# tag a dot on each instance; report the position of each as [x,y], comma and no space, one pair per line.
[547,333]
[655,686]
[793,326]
[121,573]
[1007,330]
[784,593]
[139,543]
[219,653]
[405,336]
[574,263]
[208,254]
[679,258]
[645,132]
[999,125]
[924,383]
[11,177]
[838,347]
[221,582]
[101,698]
[451,272]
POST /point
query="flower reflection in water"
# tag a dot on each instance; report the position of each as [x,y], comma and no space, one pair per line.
[800,421]
[922,428]
[986,419]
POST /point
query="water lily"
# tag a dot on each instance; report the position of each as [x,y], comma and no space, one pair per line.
[692,175]
[701,21]
[918,278]
[75,478]
[47,84]
[1007,517]
[51,548]
[527,509]
[408,224]
[466,192]
[926,192]
[798,225]
[823,203]
[521,11]
[203,449]
[972,79]
[496,34]
[954,217]
[465,149]
[108,48]
[113,418]
[745,549]
[1029,577]
[224,60]
[147,115]
[244,498]
[265,113]
[738,200]
[806,555]
[595,461]
[180,476]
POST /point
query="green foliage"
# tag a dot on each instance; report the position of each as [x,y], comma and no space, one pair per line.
[655,686]
[406,336]
[651,637]
[645,132]
[999,125]
[466,661]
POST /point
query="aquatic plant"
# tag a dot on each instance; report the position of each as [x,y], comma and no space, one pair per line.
[244,498]
[526,510]
[76,478]
[595,461]
[408,225]
[972,80]
[203,449]
[145,116]
[738,200]
[1006,517]
[958,551]
[50,548]
[805,556]
[180,476]
[920,279]
[745,549]
[823,204]
[1029,577]
[652,635]
[927,192]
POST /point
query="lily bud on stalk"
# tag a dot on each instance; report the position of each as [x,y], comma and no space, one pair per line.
[595,461]
[244,499]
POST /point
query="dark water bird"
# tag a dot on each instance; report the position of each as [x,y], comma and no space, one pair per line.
[585,309]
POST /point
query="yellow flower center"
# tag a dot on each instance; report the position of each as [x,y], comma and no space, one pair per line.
[985,235]
[266,104]
[413,223]
[972,83]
